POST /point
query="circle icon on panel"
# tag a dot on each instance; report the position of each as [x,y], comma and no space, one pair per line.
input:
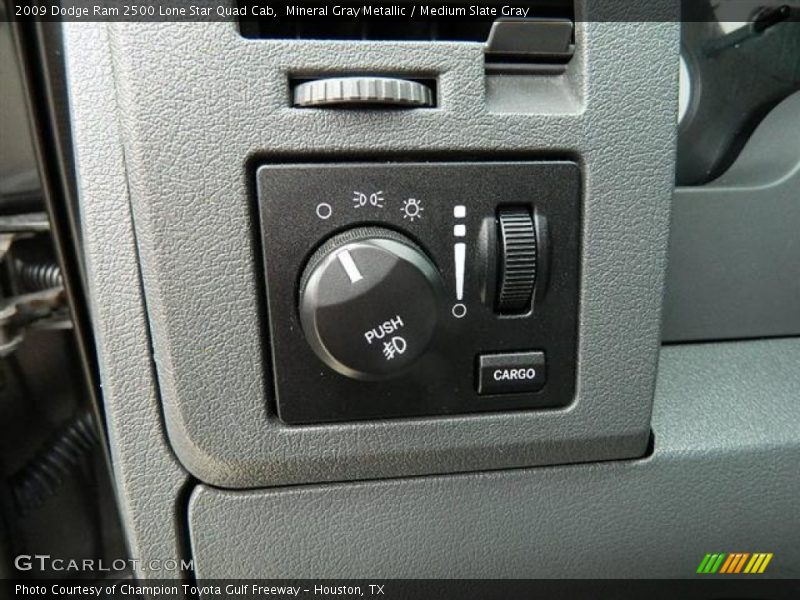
[459,310]
[324,210]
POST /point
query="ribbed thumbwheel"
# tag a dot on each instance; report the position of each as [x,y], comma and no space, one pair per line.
[356,91]
[517,260]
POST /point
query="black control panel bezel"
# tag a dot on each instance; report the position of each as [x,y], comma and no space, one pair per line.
[302,205]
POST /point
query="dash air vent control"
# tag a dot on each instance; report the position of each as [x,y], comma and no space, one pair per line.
[348,92]
[413,289]
[515,43]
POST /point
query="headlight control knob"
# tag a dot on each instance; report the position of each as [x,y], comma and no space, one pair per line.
[517,260]
[369,303]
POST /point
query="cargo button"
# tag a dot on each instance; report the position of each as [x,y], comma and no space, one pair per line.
[511,372]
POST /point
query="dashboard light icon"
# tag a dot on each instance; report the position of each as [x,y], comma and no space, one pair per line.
[412,209]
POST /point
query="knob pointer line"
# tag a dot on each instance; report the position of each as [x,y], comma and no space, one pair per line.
[349,265]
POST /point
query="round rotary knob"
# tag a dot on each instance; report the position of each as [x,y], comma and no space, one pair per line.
[369,303]
[517,260]
[357,91]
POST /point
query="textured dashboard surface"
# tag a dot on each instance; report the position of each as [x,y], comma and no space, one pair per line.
[148,477]
[723,478]
[197,102]
[734,258]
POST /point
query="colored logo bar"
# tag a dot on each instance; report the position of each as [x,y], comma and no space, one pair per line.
[734,563]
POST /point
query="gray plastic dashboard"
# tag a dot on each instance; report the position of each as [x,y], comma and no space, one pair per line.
[723,469]
[169,122]
[190,130]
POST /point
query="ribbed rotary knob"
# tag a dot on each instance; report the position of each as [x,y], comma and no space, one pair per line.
[369,303]
[517,260]
[357,91]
